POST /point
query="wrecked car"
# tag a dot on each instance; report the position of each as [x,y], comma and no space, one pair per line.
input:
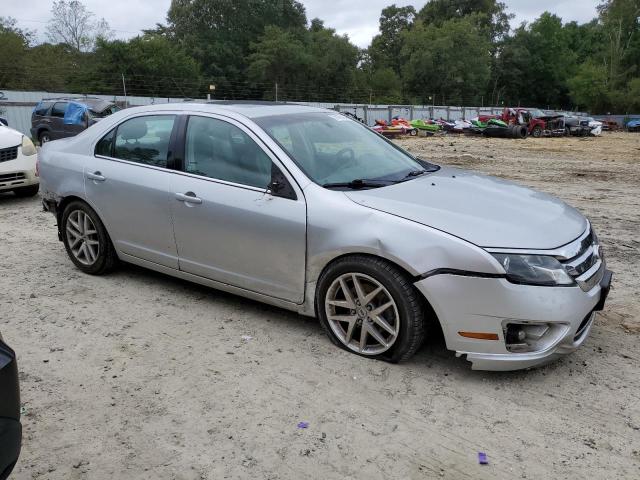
[56,118]
[308,210]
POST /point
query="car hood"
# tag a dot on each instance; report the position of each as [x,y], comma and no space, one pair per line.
[9,137]
[486,211]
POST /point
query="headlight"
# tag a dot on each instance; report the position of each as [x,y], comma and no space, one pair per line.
[28,148]
[533,269]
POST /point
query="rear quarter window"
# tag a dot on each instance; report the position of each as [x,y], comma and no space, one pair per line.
[42,108]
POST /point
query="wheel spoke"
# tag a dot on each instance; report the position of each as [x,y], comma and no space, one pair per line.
[378,310]
[75,224]
[373,331]
[378,320]
[342,303]
[343,318]
[74,242]
[358,288]
[371,295]
[347,293]
[363,337]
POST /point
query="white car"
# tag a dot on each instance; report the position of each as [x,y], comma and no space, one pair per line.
[18,157]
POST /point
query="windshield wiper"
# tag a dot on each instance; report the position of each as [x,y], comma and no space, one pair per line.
[358,183]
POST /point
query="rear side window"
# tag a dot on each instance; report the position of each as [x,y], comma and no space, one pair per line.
[144,140]
[58,109]
[42,108]
[105,145]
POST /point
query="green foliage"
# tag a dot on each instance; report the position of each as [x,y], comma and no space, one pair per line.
[451,59]
[385,47]
[451,51]
[490,16]
[535,64]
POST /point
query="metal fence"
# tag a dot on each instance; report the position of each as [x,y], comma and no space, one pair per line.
[16,107]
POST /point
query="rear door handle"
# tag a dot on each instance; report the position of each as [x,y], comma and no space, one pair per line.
[96,177]
[188,197]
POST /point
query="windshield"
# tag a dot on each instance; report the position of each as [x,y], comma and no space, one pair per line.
[536,113]
[333,149]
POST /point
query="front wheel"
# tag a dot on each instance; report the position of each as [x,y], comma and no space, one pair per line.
[86,240]
[369,307]
[44,137]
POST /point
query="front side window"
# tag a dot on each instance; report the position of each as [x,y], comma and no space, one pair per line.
[220,150]
[330,148]
[58,109]
[144,140]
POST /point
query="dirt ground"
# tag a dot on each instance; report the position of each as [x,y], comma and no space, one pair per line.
[140,376]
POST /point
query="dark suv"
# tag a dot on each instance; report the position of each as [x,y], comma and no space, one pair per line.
[10,428]
[55,118]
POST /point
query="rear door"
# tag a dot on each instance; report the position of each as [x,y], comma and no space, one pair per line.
[57,120]
[227,227]
[127,182]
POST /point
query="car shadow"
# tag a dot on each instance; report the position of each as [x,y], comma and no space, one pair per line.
[433,356]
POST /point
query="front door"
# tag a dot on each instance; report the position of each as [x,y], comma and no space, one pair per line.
[127,181]
[227,228]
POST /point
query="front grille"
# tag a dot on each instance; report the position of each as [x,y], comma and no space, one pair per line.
[7,154]
[587,266]
[11,177]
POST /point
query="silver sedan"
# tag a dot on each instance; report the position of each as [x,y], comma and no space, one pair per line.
[311,211]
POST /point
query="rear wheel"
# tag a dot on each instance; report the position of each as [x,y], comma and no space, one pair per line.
[369,307]
[86,240]
[29,191]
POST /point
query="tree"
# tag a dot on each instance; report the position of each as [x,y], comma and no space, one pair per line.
[14,44]
[72,24]
[536,62]
[152,66]
[385,47]
[219,33]
[490,15]
[451,60]
[314,63]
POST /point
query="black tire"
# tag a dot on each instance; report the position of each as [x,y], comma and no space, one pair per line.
[536,132]
[44,137]
[409,302]
[413,132]
[107,257]
[30,191]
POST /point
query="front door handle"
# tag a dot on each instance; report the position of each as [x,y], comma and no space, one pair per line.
[188,197]
[96,177]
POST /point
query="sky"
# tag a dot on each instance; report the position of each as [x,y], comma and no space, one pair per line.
[356,18]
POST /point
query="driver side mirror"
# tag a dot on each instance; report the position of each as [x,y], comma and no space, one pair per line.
[279,186]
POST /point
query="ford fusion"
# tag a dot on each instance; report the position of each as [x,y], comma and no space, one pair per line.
[306,209]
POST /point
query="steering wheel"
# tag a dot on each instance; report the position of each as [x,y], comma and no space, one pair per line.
[348,155]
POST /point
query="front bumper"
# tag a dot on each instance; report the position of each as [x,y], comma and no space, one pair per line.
[17,173]
[473,304]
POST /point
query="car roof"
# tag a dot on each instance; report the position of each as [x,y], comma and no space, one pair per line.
[249,109]
[95,104]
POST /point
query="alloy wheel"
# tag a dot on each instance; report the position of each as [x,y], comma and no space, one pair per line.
[82,237]
[362,314]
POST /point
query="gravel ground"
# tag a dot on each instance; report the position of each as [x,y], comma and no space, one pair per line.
[136,375]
